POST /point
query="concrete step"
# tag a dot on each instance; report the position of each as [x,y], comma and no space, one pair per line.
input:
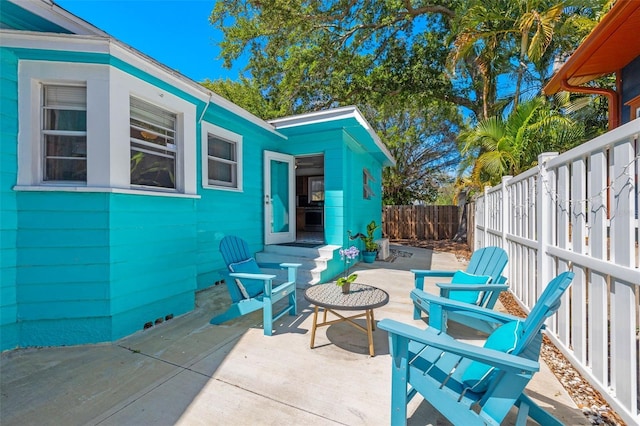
[313,261]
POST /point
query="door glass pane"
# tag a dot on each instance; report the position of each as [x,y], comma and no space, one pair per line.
[279,196]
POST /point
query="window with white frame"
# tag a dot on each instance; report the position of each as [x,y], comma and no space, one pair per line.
[222,165]
[153,145]
[64,133]
[73,119]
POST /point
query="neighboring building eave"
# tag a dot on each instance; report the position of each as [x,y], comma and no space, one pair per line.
[607,49]
[611,45]
[334,114]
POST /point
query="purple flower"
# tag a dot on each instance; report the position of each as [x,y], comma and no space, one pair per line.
[350,253]
[347,255]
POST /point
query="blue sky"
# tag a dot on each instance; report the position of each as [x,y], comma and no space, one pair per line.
[176,33]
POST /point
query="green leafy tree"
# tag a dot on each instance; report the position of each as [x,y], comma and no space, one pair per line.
[422,139]
[399,59]
[518,40]
[248,95]
[314,55]
[508,146]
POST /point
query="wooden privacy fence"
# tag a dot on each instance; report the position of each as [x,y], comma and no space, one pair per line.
[420,222]
[471,224]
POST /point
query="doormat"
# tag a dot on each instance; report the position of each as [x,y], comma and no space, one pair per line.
[306,245]
[394,254]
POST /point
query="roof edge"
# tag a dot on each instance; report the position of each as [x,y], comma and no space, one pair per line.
[609,23]
[48,9]
[333,114]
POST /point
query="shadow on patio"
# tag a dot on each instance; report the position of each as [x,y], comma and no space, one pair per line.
[186,371]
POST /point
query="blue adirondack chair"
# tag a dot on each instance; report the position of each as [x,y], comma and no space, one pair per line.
[473,385]
[481,285]
[250,289]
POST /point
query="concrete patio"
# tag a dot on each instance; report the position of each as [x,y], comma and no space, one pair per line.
[185,371]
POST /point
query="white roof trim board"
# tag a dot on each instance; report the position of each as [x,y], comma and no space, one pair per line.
[91,39]
[333,115]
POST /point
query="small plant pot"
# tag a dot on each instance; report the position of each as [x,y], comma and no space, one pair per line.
[369,256]
[346,287]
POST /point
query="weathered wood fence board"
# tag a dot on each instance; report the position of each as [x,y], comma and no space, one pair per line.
[471,224]
[420,222]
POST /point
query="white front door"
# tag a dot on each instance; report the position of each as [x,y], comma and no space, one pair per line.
[279,198]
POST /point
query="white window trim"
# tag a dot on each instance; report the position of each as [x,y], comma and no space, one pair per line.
[108,155]
[46,132]
[31,76]
[206,129]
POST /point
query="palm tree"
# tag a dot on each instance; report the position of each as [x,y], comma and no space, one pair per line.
[493,34]
[542,23]
[480,48]
[507,146]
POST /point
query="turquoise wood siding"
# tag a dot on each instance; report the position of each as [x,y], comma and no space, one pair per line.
[152,259]
[8,211]
[344,159]
[223,212]
[94,267]
[361,211]
[86,267]
[63,268]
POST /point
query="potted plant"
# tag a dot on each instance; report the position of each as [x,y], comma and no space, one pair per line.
[348,256]
[370,246]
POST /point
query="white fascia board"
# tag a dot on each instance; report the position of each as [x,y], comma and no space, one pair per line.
[138,59]
[48,41]
[333,114]
[126,53]
[316,117]
[50,11]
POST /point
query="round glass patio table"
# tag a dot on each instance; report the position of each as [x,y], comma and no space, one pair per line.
[361,297]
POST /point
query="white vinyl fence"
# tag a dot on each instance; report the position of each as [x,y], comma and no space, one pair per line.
[579,211]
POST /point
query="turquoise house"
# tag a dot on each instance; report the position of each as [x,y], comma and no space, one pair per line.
[119,176]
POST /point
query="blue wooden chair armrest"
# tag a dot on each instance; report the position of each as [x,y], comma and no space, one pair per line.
[290,265]
[263,277]
[437,306]
[420,275]
[430,273]
[472,287]
[268,282]
[273,265]
[441,341]
[292,270]
[417,296]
